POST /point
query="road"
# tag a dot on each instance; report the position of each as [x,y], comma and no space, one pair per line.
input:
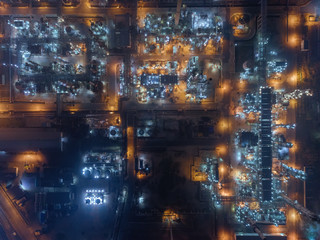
[113,74]
[10,213]
[31,107]
[51,107]
[6,228]
[82,10]
[124,206]
[130,152]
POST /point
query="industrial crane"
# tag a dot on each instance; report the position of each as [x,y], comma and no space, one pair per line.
[299,174]
[177,16]
[262,27]
[301,209]
[256,229]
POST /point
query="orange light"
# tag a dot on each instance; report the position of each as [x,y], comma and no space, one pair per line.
[251,117]
[169,216]
[225,234]
[226,87]
[293,103]
[30,157]
[242,83]
[292,236]
[292,216]
[294,147]
[222,149]
[293,20]
[226,193]
[223,125]
[292,80]
[293,40]
[141,175]
[130,145]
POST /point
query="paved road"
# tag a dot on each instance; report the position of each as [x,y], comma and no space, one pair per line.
[113,75]
[125,205]
[6,228]
[51,107]
[29,107]
[130,152]
[82,10]
[12,215]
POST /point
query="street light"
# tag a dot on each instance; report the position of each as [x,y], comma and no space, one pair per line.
[293,79]
[222,149]
[222,169]
[293,20]
[223,125]
[293,40]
